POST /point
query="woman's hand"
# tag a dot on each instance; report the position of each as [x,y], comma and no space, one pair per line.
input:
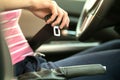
[41,8]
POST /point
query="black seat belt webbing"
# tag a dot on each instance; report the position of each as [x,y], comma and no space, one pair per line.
[43,35]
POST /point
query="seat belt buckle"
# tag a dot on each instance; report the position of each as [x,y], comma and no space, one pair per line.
[56,31]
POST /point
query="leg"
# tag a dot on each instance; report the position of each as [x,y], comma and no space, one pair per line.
[100,55]
[115,44]
[107,54]
[110,59]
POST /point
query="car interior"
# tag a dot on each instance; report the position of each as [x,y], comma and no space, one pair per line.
[90,22]
[89,27]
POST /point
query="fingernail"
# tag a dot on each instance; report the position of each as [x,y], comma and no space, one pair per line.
[52,25]
[47,22]
[67,25]
[61,27]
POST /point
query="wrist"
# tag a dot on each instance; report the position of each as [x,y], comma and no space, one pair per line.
[28,4]
[33,4]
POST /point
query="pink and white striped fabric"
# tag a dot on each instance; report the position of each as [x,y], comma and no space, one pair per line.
[17,44]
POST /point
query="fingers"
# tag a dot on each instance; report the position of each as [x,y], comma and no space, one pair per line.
[65,20]
[59,17]
[54,13]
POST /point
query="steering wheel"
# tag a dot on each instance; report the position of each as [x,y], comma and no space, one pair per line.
[91,16]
